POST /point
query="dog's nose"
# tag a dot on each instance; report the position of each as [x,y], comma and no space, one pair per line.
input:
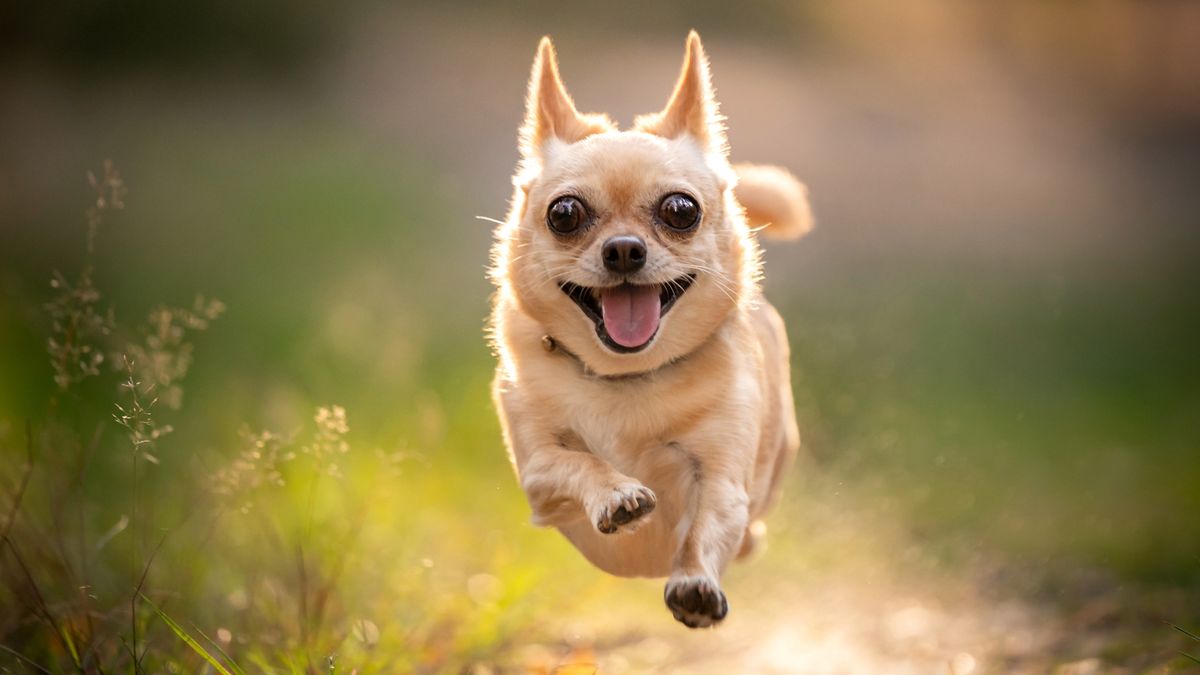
[624,255]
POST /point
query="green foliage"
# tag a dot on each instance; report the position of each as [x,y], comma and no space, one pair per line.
[258,544]
[193,644]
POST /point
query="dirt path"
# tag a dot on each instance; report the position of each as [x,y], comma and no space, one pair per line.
[848,588]
[884,614]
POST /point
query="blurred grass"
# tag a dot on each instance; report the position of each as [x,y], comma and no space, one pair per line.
[1046,417]
[1052,415]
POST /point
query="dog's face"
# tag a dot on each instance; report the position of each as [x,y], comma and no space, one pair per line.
[627,246]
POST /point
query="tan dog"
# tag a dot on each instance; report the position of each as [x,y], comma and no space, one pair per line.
[643,381]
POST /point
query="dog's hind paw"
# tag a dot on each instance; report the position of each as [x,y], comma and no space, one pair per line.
[696,602]
[625,508]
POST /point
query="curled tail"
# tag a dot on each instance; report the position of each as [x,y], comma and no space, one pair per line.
[773,198]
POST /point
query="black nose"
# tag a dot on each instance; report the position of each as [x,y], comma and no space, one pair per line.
[624,255]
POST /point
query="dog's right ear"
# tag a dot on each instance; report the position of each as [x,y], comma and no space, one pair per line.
[550,115]
[692,108]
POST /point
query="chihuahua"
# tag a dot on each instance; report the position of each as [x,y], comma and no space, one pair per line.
[643,384]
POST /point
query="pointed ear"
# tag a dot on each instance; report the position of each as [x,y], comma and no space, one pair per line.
[549,111]
[692,109]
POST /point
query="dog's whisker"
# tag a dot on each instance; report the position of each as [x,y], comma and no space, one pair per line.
[556,274]
[723,284]
[719,278]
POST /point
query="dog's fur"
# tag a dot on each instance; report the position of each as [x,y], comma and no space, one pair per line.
[656,462]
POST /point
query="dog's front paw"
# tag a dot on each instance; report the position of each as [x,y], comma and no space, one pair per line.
[696,602]
[624,508]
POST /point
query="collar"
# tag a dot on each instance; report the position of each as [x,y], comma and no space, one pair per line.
[552,346]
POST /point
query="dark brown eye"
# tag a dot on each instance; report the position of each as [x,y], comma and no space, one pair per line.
[679,212]
[565,215]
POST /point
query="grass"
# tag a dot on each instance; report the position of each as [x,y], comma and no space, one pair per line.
[985,406]
[1041,423]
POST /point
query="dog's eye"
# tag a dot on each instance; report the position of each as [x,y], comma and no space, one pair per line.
[679,212]
[565,215]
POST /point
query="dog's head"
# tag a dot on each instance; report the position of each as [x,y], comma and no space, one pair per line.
[627,246]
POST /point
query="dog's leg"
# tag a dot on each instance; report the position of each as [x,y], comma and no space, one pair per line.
[719,517]
[563,482]
[754,541]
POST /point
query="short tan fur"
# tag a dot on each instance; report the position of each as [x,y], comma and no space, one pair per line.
[654,459]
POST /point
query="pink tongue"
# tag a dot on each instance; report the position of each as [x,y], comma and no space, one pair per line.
[630,313]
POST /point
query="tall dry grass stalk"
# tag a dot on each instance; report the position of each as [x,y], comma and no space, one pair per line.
[78,592]
[52,561]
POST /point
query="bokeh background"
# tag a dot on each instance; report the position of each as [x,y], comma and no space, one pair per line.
[994,330]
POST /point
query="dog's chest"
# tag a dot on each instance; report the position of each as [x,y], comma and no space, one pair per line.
[629,424]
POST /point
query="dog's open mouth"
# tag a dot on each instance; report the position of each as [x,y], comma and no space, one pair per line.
[627,316]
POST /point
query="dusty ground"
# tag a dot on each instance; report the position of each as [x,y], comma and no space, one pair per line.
[884,609]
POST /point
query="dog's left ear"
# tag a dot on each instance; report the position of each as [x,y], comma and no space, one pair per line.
[692,109]
[550,114]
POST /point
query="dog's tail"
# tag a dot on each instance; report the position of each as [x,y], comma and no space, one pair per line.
[773,199]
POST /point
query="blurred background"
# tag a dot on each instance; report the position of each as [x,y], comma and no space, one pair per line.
[994,331]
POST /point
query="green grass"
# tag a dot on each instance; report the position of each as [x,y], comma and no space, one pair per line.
[1047,418]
